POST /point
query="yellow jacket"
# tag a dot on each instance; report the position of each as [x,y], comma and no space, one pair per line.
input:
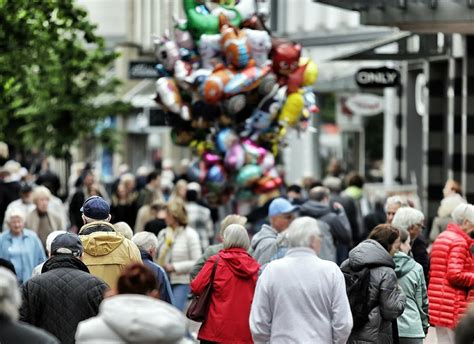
[106,252]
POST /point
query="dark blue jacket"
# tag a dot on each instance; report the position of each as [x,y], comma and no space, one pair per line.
[164,284]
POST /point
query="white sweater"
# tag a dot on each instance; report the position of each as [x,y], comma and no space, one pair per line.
[301,299]
[184,253]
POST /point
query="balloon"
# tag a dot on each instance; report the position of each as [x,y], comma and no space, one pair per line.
[235,104]
[285,60]
[248,174]
[211,158]
[181,136]
[210,50]
[260,45]
[254,152]
[292,108]
[267,183]
[311,71]
[166,52]
[245,80]
[213,87]
[169,94]
[235,47]
[216,175]
[225,138]
[295,79]
[264,114]
[268,161]
[200,20]
[183,38]
[235,157]
[197,171]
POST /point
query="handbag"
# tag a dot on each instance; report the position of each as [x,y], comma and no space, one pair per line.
[199,306]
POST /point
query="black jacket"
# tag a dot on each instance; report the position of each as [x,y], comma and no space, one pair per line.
[419,251]
[62,296]
[16,332]
[338,223]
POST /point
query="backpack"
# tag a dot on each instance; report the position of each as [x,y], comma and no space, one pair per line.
[357,289]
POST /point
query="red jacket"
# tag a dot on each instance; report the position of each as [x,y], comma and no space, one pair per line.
[234,286]
[451,277]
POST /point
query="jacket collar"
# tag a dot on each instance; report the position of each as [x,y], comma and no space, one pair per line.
[145,255]
[300,252]
[457,229]
[25,233]
[96,226]
[64,261]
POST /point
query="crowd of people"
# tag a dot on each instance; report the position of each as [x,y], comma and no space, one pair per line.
[316,263]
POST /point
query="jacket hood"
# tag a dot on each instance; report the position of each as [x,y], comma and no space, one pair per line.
[101,243]
[265,232]
[142,319]
[403,264]
[369,252]
[240,262]
[96,226]
[63,261]
[315,209]
[354,192]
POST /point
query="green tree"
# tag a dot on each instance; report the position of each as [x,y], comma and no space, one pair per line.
[54,82]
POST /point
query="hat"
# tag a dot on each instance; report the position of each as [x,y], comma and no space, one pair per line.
[96,208]
[67,243]
[281,206]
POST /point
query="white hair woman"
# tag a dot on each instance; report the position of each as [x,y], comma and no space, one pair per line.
[412,220]
[20,246]
[40,220]
[234,283]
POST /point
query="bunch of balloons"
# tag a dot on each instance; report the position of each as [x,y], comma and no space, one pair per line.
[231,91]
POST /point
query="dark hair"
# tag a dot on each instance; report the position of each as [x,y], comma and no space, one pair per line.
[152,176]
[295,188]
[355,179]
[315,183]
[7,264]
[26,188]
[385,235]
[191,195]
[136,279]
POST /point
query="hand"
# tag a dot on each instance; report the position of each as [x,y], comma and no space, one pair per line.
[426,330]
[337,206]
[169,268]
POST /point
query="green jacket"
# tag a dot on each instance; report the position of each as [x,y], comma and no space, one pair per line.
[208,252]
[414,319]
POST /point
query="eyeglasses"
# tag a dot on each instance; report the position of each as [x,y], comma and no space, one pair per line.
[288,216]
[421,225]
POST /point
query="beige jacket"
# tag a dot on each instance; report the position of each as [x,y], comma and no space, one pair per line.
[183,253]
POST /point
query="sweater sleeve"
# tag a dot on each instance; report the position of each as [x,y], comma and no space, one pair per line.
[392,299]
[194,249]
[261,313]
[456,274]
[341,311]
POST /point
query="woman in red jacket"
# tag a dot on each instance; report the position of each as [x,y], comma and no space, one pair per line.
[234,285]
[451,274]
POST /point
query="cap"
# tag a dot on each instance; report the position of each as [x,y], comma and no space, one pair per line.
[67,243]
[281,206]
[95,207]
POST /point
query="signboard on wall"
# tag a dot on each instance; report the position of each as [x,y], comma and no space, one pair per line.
[365,104]
[377,77]
[142,70]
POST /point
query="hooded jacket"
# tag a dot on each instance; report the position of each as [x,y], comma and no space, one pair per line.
[133,318]
[451,276]
[338,223]
[264,246]
[385,296]
[62,296]
[414,320]
[106,252]
[232,295]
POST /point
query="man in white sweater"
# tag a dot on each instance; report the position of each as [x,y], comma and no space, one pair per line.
[301,298]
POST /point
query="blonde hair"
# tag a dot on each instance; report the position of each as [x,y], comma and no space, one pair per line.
[124,229]
[177,210]
[232,219]
[40,192]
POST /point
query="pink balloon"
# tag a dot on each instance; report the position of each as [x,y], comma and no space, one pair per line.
[211,158]
[235,157]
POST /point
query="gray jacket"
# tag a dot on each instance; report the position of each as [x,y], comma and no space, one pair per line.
[384,292]
[264,246]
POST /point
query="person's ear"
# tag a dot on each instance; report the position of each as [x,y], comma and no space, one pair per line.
[110,293]
[108,218]
[84,219]
[154,294]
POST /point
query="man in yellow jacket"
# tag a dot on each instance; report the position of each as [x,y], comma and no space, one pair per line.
[106,252]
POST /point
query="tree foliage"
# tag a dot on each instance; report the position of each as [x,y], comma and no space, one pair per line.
[54,86]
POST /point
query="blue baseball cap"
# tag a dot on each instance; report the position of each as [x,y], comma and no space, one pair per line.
[95,207]
[281,206]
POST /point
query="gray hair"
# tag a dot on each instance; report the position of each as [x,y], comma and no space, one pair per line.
[14,212]
[463,212]
[145,241]
[406,217]
[232,219]
[302,232]
[236,236]
[40,192]
[318,193]
[10,297]
[398,200]
[124,229]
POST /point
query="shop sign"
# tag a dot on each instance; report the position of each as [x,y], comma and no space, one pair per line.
[377,77]
[365,104]
[142,70]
